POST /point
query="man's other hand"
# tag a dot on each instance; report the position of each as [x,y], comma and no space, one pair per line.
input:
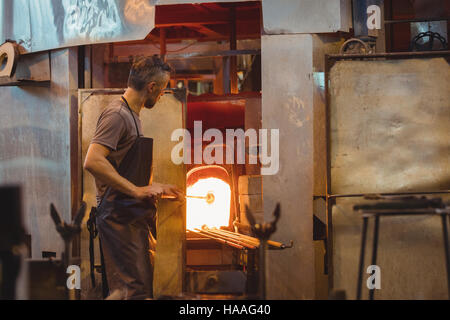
[173,191]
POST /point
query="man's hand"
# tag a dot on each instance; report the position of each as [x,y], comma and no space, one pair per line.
[156,190]
[173,191]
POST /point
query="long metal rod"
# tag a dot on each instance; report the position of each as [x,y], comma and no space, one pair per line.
[186,196]
[164,196]
[403,212]
[240,236]
[238,242]
[418,54]
[232,244]
[447,249]
[361,258]
[269,242]
[236,237]
[195,197]
[416,20]
[225,240]
[262,269]
[386,194]
[228,239]
[249,244]
[375,250]
[194,55]
[225,53]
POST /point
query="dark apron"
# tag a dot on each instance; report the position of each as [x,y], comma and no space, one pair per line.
[125,225]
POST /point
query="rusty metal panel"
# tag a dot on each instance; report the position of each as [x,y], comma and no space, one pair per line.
[287,105]
[34,151]
[157,123]
[48,24]
[389,126]
[306,16]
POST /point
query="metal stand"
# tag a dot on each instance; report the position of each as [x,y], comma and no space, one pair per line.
[410,206]
[446,246]
[363,251]
[263,233]
[68,231]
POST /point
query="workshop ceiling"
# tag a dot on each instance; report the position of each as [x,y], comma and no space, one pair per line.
[207,22]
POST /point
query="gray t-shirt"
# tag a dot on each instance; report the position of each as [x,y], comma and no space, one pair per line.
[115,130]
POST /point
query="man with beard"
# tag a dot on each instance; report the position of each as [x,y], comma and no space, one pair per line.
[120,159]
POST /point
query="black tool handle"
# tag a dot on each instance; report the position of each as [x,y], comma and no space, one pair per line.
[55,215]
[80,214]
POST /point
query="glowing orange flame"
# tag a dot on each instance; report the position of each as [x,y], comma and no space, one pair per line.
[200,212]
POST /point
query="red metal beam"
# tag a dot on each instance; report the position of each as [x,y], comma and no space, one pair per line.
[191,15]
[207,31]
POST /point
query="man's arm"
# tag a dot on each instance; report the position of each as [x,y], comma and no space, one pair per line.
[97,164]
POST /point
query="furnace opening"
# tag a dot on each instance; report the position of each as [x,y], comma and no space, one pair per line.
[202,181]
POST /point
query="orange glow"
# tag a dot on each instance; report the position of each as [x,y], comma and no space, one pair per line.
[199,212]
